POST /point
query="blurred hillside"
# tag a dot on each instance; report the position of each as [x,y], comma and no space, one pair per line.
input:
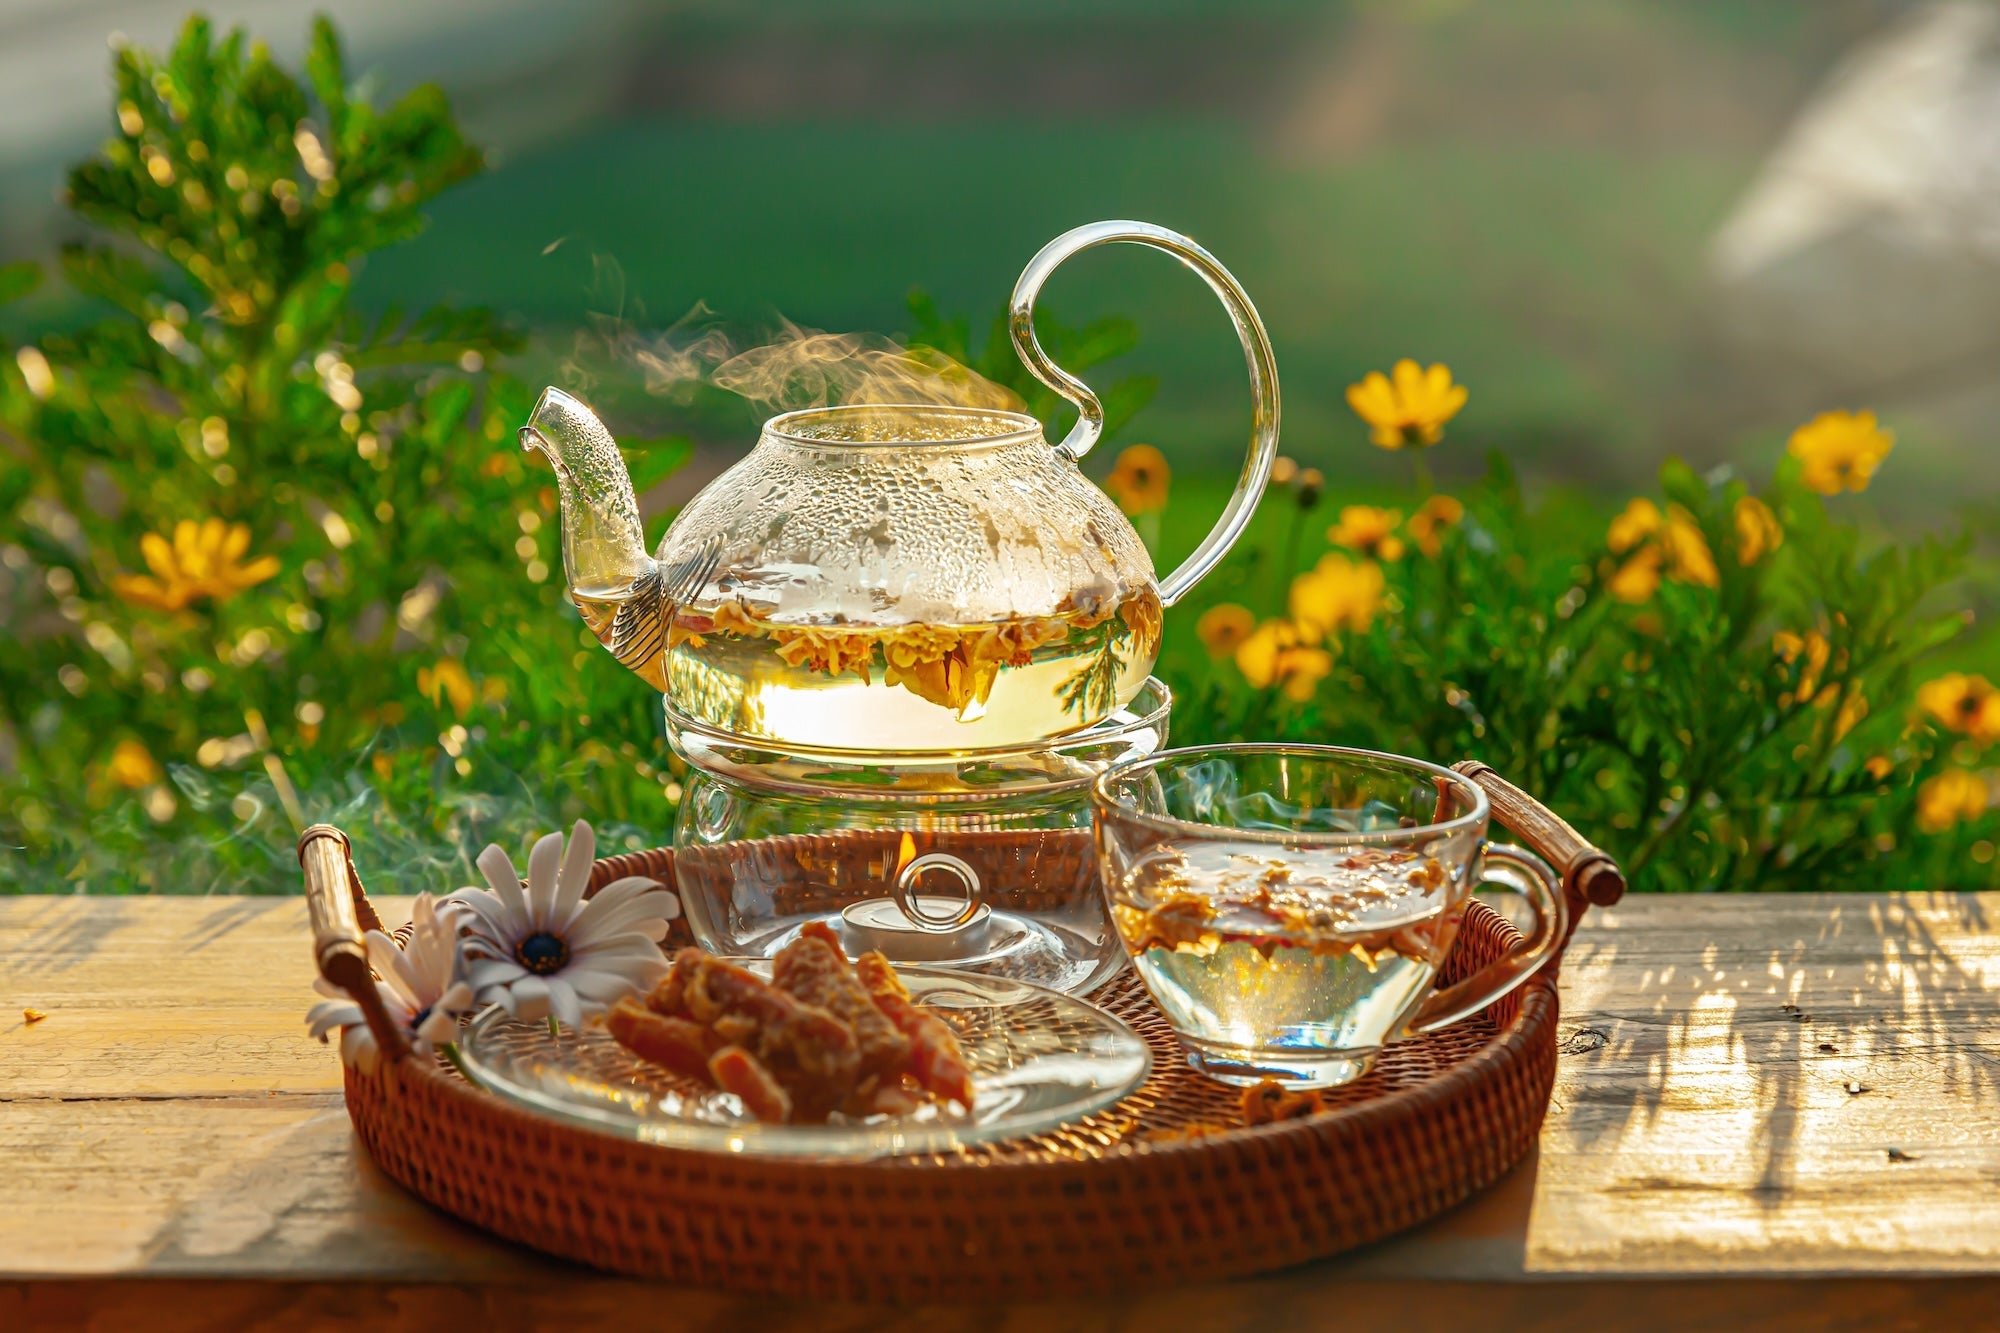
[1529,190]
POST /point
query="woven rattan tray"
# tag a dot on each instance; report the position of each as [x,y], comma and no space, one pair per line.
[1105,1203]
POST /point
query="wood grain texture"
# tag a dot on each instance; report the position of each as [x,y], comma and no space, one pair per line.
[169,1120]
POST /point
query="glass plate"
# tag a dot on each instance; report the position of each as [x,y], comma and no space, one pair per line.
[1039,1059]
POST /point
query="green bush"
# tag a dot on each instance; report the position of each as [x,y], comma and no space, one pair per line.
[1721,688]
[346,609]
[264,561]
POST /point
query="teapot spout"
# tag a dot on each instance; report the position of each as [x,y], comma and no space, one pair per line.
[614,583]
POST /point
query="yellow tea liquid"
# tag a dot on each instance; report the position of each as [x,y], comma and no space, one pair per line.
[918,687]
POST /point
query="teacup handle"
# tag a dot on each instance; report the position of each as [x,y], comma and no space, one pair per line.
[1531,876]
[1090,413]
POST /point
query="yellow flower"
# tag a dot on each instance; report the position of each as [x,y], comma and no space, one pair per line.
[1336,594]
[1815,651]
[1279,653]
[1839,451]
[1223,628]
[1640,520]
[1413,405]
[1283,469]
[132,766]
[204,560]
[1949,797]
[1879,767]
[1434,517]
[1143,616]
[1966,704]
[1688,558]
[1638,578]
[824,649]
[1757,530]
[1368,530]
[447,680]
[1850,714]
[1138,480]
[1669,544]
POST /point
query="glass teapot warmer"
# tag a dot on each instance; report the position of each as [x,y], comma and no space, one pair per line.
[983,862]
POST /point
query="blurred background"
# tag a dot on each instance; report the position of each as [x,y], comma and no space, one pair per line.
[1635,228]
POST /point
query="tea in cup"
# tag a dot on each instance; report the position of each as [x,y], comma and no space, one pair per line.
[1289,906]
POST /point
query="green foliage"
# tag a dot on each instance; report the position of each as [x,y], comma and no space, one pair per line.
[391,650]
[1075,350]
[1677,725]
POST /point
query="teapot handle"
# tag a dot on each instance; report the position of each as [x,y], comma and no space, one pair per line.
[1090,419]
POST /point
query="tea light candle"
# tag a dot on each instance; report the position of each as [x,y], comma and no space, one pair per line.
[879,924]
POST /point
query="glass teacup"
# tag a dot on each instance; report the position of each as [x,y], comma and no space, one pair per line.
[1289,906]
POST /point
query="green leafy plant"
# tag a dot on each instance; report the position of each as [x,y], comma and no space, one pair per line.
[264,560]
[1722,688]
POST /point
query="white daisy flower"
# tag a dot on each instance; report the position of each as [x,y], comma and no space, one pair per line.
[549,953]
[423,987]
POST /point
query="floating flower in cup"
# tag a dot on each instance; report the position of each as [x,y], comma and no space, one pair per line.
[423,987]
[546,952]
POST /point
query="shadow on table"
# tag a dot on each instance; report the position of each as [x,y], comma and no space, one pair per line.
[1826,997]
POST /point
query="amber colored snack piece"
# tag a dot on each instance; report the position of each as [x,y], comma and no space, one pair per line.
[1271,1101]
[823,1036]
[811,1053]
[736,1070]
[677,1043]
[814,969]
[936,1061]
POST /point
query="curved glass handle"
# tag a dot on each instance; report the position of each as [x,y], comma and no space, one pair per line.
[1090,419]
[1531,876]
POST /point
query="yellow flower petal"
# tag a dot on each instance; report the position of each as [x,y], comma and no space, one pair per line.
[1223,628]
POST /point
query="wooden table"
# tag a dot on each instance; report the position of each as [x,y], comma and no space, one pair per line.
[1772,1112]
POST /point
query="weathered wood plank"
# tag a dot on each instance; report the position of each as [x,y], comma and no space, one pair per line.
[170,1120]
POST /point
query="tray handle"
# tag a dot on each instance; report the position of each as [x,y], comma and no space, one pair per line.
[340,912]
[1589,875]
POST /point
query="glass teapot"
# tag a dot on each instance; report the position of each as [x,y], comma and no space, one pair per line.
[896,578]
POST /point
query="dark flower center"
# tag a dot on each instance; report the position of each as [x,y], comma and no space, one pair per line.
[542,953]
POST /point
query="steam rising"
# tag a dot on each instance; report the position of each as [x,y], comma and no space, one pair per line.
[796,367]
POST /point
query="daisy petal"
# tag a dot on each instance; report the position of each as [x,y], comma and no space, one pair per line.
[543,862]
[498,868]
[574,876]
[530,996]
[563,1003]
[327,1015]
[485,973]
[595,987]
[625,916]
[357,1047]
[484,914]
[631,945]
[620,891]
